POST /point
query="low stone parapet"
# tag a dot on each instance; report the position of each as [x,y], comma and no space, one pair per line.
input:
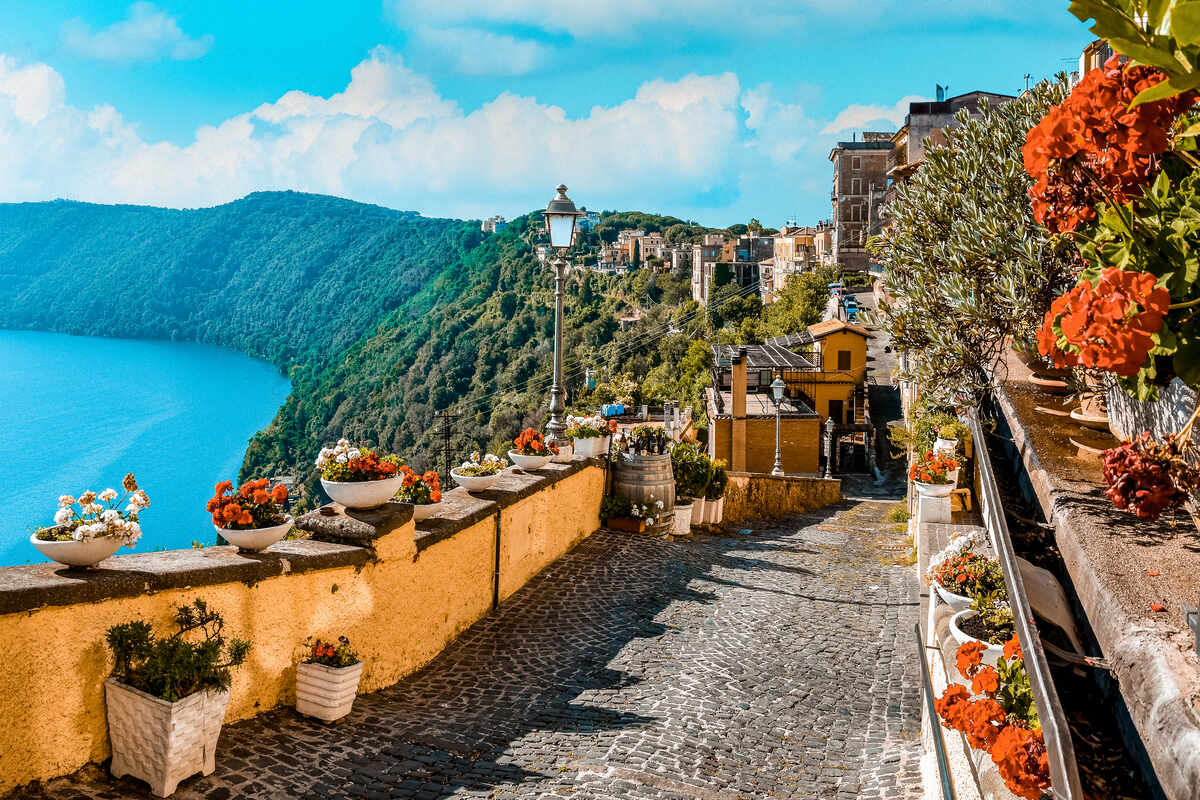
[752,495]
[401,592]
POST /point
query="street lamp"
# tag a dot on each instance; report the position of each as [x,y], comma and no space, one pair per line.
[777,387]
[561,217]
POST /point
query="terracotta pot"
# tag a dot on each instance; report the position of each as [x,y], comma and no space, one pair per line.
[627,524]
[326,693]
[159,742]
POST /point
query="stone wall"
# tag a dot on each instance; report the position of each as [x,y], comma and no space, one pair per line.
[400,591]
[755,496]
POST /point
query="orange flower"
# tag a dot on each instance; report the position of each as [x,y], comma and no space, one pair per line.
[245,519]
[279,494]
[261,497]
[1012,649]
[970,654]
[223,487]
[985,681]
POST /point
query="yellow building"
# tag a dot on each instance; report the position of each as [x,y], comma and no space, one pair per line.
[824,369]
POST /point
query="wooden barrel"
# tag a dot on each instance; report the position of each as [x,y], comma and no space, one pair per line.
[639,477]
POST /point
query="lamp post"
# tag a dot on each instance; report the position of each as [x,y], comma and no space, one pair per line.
[561,217]
[777,387]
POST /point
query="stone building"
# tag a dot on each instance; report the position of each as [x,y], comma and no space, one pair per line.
[928,120]
[859,173]
[705,257]
[493,224]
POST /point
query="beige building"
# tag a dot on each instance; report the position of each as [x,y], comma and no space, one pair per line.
[859,180]
[705,257]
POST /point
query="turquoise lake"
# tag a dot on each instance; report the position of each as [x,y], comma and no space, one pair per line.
[81,412]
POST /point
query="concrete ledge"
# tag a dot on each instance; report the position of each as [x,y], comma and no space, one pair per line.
[26,588]
[753,495]
[1107,553]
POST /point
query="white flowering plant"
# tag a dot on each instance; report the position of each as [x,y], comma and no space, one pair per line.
[592,427]
[648,512]
[960,545]
[480,467]
[347,462]
[98,515]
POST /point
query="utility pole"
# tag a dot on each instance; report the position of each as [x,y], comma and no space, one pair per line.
[446,419]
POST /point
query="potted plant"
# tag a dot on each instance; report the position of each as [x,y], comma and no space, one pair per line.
[327,681]
[253,519]
[622,514]
[358,477]
[714,492]
[959,579]
[932,474]
[424,492]
[949,433]
[478,474]
[90,528]
[590,435]
[532,451]
[690,468]
[988,621]
[166,697]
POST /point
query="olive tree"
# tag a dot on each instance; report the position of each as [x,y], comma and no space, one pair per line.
[965,262]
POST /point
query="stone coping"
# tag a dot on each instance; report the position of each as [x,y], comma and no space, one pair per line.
[28,587]
[339,538]
[1107,553]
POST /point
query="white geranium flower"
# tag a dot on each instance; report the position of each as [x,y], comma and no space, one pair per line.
[140,499]
[65,500]
[132,508]
[341,459]
[108,495]
[355,453]
[87,497]
[63,516]
[343,442]
[77,534]
[110,516]
[92,508]
[636,512]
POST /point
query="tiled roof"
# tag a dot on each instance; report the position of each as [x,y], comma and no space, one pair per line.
[792,341]
[762,356]
[823,329]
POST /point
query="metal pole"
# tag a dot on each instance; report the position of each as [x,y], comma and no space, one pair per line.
[778,470]
[939,744]
[556,425]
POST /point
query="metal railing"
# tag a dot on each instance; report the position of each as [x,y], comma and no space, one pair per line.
[1064,773]
[939,742]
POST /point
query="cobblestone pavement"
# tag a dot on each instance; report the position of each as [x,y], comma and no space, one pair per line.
[772,663]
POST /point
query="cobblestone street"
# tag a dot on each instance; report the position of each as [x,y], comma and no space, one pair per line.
[775,663]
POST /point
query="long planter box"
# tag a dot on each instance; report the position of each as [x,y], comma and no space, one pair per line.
[162,743]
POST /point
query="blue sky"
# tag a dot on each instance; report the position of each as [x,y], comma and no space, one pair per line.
[707,109]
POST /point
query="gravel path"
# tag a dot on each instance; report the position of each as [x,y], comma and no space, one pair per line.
[776,662]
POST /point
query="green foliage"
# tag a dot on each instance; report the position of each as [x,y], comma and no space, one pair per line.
[718,479]
[614,506]
[898,514]
[995,614]
[801,303]
[926,424]
[172,667]
[691,468]
[1158,33]
[966,261]
[1015,693]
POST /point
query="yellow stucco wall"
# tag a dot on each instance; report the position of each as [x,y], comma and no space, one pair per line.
[838,387]
[399,613]
[844,340]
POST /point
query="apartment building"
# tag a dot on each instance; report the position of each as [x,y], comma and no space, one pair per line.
[705,257]
[859,179]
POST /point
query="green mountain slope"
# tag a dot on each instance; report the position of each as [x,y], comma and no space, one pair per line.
[289,277]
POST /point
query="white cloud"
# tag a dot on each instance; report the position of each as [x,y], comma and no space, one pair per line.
[147,34]
[858,116]
[471,51]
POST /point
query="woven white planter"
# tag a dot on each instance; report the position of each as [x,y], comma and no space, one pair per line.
[422,512]
[682,521]
[326,693]
[698,510]
[714,510]
[590,448]
[162,743]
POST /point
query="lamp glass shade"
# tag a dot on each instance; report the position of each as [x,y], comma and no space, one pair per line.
[562,230]
[777,387]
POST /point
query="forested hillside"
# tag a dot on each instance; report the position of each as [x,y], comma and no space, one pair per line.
[382,318]
[288,277]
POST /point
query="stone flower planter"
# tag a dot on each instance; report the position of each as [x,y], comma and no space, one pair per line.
[87,553]
[256,539]
[565,453]
[682,521]
[991,655]
[590,448]
[957,602]
[528,462]
[934,489]
[714,511]
[326,693]
[947,446]
[424,511]
[474,483]
[159,742]
[363,494]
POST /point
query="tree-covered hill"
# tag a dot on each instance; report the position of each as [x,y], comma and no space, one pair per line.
[292,278]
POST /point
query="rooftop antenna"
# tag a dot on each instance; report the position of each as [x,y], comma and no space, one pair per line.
[1027,77]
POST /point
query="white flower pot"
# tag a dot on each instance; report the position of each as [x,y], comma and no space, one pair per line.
[162,743]
[528,462]
[947,446]
[363,494]
[698,506]
[933,489]
[565,453]
[714,510]
[952,478]
[326,693]
[474,483]
[682,521]
[425,511]
[590,448]
[957,602]
[991,655]
[87,553]
[256,539]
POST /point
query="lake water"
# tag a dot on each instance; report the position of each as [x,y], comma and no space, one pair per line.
[80,412]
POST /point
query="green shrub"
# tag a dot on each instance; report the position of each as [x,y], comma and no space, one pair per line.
[718,478]
[691,467]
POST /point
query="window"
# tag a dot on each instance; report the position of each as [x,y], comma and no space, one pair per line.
[764,377]
[843,357]
[856,186]
[856,163]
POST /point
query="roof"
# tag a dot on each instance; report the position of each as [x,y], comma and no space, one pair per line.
[761,356]
[829,326]
[770,262]
[760,404]
[792,340]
